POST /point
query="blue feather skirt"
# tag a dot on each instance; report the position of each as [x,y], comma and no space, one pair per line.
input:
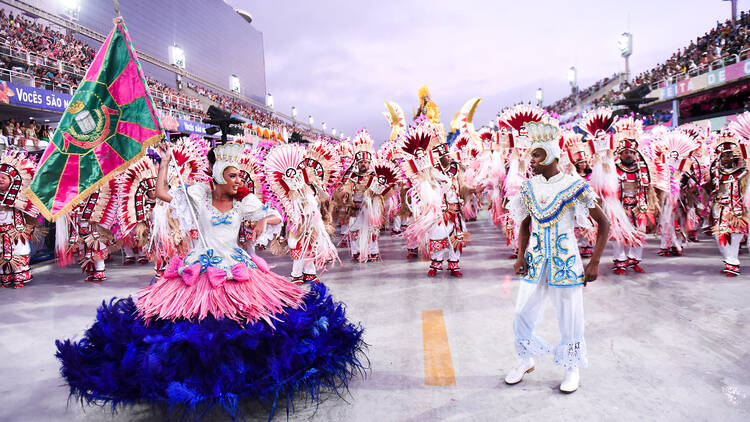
[198,365]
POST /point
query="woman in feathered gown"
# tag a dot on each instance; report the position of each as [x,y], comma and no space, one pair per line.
[218,326]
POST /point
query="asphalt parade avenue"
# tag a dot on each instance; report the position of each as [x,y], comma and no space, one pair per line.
[671,344]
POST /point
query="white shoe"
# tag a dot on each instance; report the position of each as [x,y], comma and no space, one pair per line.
[516,374]
[571,381]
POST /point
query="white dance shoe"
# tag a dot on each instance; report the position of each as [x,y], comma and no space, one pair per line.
[571,381]
[516,374]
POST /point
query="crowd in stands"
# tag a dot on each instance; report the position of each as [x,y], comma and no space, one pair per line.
[564,104]
[51,59]
[55,61]
[726,41]
[27,135]
[722,42]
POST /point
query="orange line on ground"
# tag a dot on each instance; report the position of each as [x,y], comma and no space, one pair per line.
[438,366]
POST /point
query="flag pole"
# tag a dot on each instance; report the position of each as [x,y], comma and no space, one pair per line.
[183,185]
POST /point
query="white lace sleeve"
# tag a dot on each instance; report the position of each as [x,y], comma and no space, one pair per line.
[181,202]
[585,201]
[252,209]
[517,208]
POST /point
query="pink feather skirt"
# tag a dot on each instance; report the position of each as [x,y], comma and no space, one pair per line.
[251,294]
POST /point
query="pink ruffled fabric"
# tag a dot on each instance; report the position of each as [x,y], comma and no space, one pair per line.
[252,294]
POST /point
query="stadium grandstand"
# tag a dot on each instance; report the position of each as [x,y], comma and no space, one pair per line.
[707,80]
[45,49]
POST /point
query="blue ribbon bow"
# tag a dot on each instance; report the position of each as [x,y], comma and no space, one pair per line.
[224,219]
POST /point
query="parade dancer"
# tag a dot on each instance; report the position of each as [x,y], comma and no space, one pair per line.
[17,218]
[360,237]
[219,327]
[306,235]
[727,187]
[672,153]
[85,232]
[575,161]
[547,207]
[448,238]
[603,180]
[137,198]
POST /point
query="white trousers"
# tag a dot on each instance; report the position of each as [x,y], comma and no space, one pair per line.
[568,302]
[731,251]
[396,223]
[299,267]
[623,253]
[445,253]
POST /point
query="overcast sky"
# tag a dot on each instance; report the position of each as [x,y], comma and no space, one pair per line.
[339,60]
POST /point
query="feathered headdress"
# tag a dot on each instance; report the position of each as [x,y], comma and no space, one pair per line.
[362,145]
[675,148]
[322,166]
[283,174]
[189,160]
[133,187]
[101,206]
[395,117]
[251,173]
[627,132]
[741,128]
[727,140]
[20,168]
[386,175]
[517,116]
[596,124]
[415,147]
[574,149]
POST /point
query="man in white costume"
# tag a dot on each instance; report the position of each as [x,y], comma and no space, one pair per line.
[548,207]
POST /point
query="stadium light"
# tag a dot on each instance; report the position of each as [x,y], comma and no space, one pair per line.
[310,120]
[234,83]
[269,100]
[71,8]
[323,125]
[294,112]
[176,56]
[539,97]
[573,76]
[625,44]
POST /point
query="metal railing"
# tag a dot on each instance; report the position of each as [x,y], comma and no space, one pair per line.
[21,78]
[719,63]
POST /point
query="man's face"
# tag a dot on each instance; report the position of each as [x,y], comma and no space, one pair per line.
[364,165]
[726,159]
[536,158]
[627,157]
[4,182]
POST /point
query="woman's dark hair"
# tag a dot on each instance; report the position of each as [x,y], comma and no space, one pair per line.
[211,157]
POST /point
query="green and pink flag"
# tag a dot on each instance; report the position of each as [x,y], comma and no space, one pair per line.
[110,122]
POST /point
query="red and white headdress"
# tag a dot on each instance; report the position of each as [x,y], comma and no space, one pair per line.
[20,168]
[675,149]
[628,131]
[741,128]
[322,166]
[386,175]
[415,148]
[189,160]
[283,174]
[133,186]
[574,150]
[101,206]
[596,124]
[512,123]
[363,146]
[251,173]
